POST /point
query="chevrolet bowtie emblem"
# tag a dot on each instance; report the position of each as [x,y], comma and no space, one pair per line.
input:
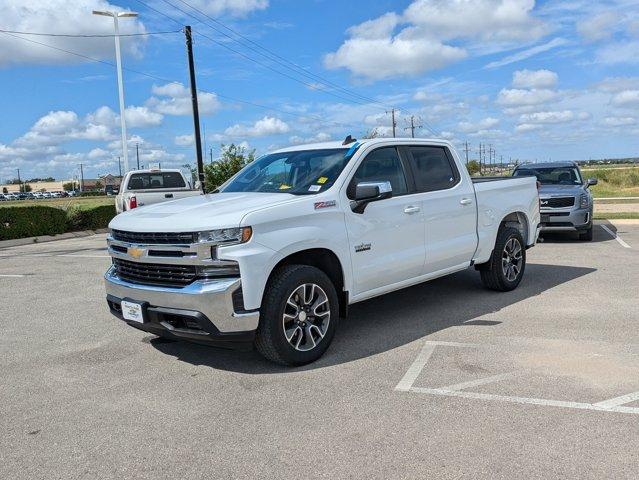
[135,252]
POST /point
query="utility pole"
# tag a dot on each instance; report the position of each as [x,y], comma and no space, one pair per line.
[394,123]
[211,155]
[480,159]
[81,179]
[137,154]
[196,112]
[19,182]
[412,126]
[118,63]
[120,168]
[466,150]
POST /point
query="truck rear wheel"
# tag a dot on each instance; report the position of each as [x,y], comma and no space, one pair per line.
[298,317]
[505,269]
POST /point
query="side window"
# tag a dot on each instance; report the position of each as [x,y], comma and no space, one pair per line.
[381,165]
[432,168]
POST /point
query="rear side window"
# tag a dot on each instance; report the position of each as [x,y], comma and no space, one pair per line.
[381,165]
[143,181]
[433,169]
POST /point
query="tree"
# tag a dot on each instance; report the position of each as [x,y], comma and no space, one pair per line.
[374,132]
[4,190]
[233,159]
[473,167]
[68,187]
[98,185]
[25,188]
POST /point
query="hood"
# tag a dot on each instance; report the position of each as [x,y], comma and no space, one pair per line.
[201,212]
[560,190]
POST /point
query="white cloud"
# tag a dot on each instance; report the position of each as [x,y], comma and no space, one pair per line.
[236,8]
[527,53]
[527,127]
[176,100]
[626,98]
[265,126]
[428,34]
[599,27]
[534,79]
[482,125]
[319,137]
[62,16]
[617,84]
[619,121]
[618,53]
[547,117]
[184,140]
[518,97]
[142,117]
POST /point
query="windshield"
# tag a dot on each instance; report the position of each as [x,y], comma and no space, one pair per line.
[300,173]
[552,175]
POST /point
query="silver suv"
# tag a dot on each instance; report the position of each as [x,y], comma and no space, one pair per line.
[565,198]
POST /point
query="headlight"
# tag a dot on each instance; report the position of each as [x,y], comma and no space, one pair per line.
[226,235]
[584,201]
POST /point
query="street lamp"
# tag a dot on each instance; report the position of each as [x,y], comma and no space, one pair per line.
[118,62]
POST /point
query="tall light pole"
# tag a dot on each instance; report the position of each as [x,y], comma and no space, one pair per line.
[118,62]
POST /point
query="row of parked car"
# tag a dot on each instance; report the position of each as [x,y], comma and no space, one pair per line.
[4,197]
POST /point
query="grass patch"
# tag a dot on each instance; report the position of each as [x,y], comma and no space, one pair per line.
[615,182]
[615,215]
[67,203]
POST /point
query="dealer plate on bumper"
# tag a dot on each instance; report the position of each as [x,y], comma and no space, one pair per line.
[132,311]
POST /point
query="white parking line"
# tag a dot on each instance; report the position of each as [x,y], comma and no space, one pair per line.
[478,382]
[406,385]
[11,276]
[53,255]
[616,237]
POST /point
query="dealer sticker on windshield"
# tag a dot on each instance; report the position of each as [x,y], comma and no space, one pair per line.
[314,188]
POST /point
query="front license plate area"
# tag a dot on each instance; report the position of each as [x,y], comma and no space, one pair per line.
[132,311]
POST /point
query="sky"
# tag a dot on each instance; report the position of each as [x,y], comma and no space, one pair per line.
[554,80]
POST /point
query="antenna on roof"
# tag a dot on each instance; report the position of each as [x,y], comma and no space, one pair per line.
[348,140]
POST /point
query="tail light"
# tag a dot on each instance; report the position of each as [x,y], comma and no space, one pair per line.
[133,202]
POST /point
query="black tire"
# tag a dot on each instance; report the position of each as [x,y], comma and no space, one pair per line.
[586,235]
[492,272]
[270,339]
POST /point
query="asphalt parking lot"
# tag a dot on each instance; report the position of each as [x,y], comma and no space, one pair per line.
[441,380]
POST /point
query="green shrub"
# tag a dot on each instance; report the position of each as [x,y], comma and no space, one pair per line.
[91,218]
[21,222]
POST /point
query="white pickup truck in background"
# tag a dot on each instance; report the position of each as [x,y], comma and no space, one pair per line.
[147,187]
[275,257]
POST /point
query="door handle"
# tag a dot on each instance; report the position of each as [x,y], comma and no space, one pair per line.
[168,195]
[411,209]
[465,201]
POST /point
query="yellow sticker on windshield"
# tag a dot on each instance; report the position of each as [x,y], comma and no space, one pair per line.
[322,180]
[284,187]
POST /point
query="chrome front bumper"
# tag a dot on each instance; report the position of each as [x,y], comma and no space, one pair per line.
[211,298]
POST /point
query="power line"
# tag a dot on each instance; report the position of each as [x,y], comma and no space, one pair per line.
[165,80]
[249,58]
[69,35]
[273,55]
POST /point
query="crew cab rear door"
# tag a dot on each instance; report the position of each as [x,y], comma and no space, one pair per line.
[387,240]
[450,213]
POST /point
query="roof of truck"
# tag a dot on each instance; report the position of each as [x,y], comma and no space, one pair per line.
[364,141]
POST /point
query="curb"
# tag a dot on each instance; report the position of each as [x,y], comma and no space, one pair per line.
[50,238]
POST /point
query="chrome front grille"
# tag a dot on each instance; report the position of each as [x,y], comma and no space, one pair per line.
[557,202]
[150,238]
[155,274]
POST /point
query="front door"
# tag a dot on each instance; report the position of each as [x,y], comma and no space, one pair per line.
[387,240]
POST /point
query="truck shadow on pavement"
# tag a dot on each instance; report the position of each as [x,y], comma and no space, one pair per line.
[393,320]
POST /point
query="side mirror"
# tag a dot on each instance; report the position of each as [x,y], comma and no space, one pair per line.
[592,181]
[367,192]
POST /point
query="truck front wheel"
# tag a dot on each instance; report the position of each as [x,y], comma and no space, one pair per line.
[298,316]
[504,270]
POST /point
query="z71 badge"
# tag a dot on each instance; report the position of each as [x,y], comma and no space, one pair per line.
[362,247]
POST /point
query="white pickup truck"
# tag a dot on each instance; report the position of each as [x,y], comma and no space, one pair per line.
[146,187]
[275,257]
